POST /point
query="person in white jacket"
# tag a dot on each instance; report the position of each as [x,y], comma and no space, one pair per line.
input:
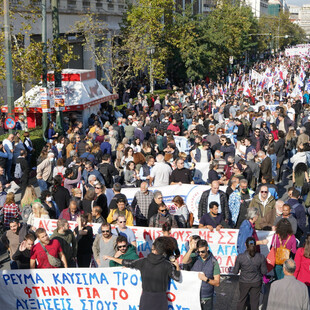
[299,157]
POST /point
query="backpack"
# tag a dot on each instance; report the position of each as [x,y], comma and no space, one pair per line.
[282,253]
[62,176]
[18,171]
[27,209]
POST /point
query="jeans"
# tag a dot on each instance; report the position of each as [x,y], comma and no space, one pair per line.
[13,265]
[290,154]
[8,169]
[42,184]
[278,271]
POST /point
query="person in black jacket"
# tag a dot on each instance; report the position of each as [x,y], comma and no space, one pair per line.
[60,194]
[107,170]
[280,152]
[206,197]
[156,202]
[117,195]
[84,238]
[22,255]
[252,266]
[101,199]
[25,170]
[156,272]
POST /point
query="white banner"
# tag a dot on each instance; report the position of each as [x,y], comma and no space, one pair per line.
[223,243]
[298,51]
[190,193]
[87,288]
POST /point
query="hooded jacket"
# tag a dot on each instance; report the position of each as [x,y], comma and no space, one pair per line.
[267,212]
[155,270]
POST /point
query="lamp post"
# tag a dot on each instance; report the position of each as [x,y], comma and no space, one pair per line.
[58,91]
[150,52]
[8,61]
[44,92]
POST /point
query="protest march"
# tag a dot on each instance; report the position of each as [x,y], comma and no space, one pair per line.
[151,203]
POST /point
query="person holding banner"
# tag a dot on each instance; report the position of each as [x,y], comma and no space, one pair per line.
[247,229]
[156,271]
[42,251]
[104,244]
[209,271]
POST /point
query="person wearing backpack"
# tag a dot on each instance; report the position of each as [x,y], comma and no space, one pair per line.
[60,169]
[22,171]
[285,244]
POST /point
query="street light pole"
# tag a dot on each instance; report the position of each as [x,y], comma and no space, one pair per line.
[8,61]
[58,92]
[44,71]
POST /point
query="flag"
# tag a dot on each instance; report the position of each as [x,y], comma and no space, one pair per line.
[307,86]
[288,87]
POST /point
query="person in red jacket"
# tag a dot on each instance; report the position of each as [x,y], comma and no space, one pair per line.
[71,213]
[302,260]
[174,127]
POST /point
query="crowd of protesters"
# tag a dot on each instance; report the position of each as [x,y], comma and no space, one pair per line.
[253,131]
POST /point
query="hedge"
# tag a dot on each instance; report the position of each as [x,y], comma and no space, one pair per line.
[36,137]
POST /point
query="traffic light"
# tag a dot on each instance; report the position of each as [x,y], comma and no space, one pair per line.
[270,35]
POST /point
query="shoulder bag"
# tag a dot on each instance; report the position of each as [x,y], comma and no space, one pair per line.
[54,261]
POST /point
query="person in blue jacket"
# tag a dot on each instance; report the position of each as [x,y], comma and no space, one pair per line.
[247,229]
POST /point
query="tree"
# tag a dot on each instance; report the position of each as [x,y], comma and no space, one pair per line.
[283,32]
[148,25]
[108,49]
[206,42]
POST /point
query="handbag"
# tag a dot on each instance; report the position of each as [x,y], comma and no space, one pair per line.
[271,258]
[282,253]
[54,261]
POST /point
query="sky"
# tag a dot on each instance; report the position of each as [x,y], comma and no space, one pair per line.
[297,2]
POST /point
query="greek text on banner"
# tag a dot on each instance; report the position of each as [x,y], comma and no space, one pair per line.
[223,243]
[88,289]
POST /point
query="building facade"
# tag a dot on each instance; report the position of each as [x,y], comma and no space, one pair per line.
[259,7]
[110,12]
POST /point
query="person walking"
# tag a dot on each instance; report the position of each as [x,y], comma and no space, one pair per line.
[302,260]
[252,266]
[288,293]
[285,243]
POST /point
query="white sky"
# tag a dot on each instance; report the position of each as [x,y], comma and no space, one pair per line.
[298,2]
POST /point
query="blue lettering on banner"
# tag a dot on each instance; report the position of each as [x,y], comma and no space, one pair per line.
[134,280]
[143,246]
[89,304]
[21,279]
[133,307]
[123,276]
[220,250]
[46,304]
[183,248]
[78,278]
[227,250]
[234,250]
[172,283]
[177,307]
